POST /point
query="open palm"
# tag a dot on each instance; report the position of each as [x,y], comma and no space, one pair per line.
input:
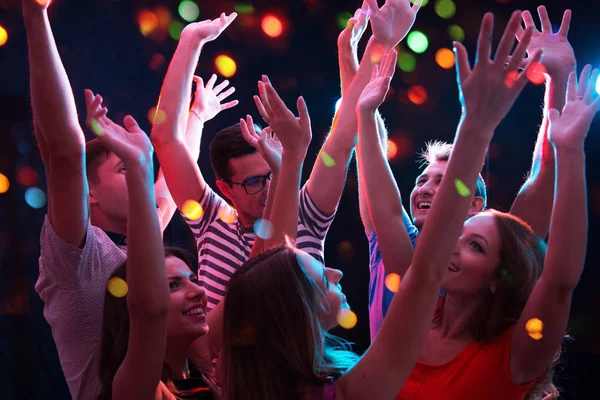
[266,143]
[130,144]
[391,23]
[208,30]
[374,93]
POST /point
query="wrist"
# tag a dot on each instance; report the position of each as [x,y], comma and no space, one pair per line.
[571,149]
[293,157]
[197,115]
[478,128]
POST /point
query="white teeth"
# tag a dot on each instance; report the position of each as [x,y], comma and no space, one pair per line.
[452,268]
[194,311]
[424,205]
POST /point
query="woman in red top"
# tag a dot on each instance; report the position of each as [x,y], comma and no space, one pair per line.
[499,327]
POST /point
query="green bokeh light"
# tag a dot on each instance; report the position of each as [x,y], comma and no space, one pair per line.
[407,62]
[456,33]
[342,19]
[243,8]
[445,8]
[189,10]
[417,41]
[175,29]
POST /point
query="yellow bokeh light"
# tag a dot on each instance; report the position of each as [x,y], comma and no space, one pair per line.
[117,287]
[3,36]
[271,26]
[392,149]
[228,215]
[417,94]
[534,328]
[392,282]
[148,22]
[156,116]
[191,209]
[327,159]
[445,58]
[43,2]
[4,183]
[347,318]
[225,66]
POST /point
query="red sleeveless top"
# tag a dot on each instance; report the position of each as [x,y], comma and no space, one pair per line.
[477,372]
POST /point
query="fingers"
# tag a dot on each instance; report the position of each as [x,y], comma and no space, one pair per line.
[521,81]
[248,132]
[261,109]
[303,111]
[571,88]
[528,20]
[131,124]
[517,58]
[373,7]
[275,102]
[544,19]
[417,5]
[262,92]
[211,82]
[226,94]
[484,40]
[519,33]
[89,97]
[508,38]
[229,105]
[388,64]
[584,79]
[565,24]
[553,115]
[591,87]
[463,68]
[374,72]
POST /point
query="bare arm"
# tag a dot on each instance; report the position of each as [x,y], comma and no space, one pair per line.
[534,202]
[486,100]
[55,117]
[550,299]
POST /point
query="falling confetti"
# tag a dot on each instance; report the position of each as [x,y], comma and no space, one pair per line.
[461,188]
[96,128]
[117,287]
[327,159]
[392,282]
[191,209]
[263,228]
[347,318]
[534,328]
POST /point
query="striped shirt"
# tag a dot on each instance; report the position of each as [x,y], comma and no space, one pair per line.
[224,244]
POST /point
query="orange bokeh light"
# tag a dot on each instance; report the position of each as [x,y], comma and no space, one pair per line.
[43,2]
[537,73]
[148,22]
[225,65]
[417,94]
[392,149]
[272,26]
[3,36]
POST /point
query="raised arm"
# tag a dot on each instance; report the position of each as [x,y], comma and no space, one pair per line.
[380,185]
[148,296]
[534,201]
[485,99]
[550,299]
[57,128]
[178,162]
[326,183]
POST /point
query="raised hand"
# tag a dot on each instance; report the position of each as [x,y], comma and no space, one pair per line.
[350,36]
[266,143]
[130,144]
[391,23]
[488,91]
[32,5]
[208,30]
[294,133]
[558,53]
[568,129]
[95,110]
[208,99]
[374,93]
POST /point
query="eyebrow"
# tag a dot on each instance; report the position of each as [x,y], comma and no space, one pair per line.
[190,276]
[477,235]
[256,176]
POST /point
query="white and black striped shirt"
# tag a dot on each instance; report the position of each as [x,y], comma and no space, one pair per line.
[224,244]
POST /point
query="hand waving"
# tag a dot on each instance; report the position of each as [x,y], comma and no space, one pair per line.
[130,144]
[94,109]
[266,143]
[295,133]
[208,98]
[208,30]
[569,128]
[350,36]
[374,93]
[488,91]
[391,23]
[558,53]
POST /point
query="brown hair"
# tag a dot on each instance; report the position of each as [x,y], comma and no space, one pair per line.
[96,154]
[274,343]
[229,143]
[521,260]
[441,151]
[115,335]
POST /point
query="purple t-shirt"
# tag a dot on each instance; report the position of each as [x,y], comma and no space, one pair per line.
[380,296]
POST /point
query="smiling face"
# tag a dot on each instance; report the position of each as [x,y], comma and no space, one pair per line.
[187,316]
[474,265]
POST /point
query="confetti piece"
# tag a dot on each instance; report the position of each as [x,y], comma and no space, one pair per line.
[191,209]
[534,328]
[392,282]
[327,159]
[461,188]
[96,128]
[117,287]
[347,318]
[263,228]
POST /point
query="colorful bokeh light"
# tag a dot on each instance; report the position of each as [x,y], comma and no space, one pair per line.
[445,8]
[392,282]
[175,29]
[117,287]
[271,26]
[148,21]
[445,58]
[598,85]
[407,62]
[3,36]
[536,73]
[243,8]
[392,149]
[342,19]
[534,328]
[456,33]
[417,94]
[156,116]
[189,10]
[422,5]
[192,210]
[347,318]
[264,228]
[417,41]
[4,183]
[35,197]
[225,65]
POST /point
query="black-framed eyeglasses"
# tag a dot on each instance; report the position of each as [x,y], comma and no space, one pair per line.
[254,184]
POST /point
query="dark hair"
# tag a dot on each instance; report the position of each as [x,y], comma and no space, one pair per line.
[441,151]
[96,154]
[521,260]
[115,334]
[229,143]
[274,342]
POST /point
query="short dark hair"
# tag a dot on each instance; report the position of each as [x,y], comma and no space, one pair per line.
[96,154]
[229,143]
[441,151]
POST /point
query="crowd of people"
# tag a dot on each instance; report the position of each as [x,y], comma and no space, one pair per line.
[248,317]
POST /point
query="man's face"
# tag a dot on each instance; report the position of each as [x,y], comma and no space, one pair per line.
[249,170]
[426,186]
[108,193]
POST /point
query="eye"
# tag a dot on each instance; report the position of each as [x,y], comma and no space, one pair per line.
[122,169]
[173,285]
[421,182]
[476,246]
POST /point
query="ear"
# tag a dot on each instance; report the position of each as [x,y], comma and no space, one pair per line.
[92,195]
[476,205]
[225,188]
[494,286]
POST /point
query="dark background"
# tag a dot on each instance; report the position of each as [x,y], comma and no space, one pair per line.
[102,49]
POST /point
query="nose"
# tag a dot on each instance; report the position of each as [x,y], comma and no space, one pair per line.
[426,188]
[334,275]
[195,291]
